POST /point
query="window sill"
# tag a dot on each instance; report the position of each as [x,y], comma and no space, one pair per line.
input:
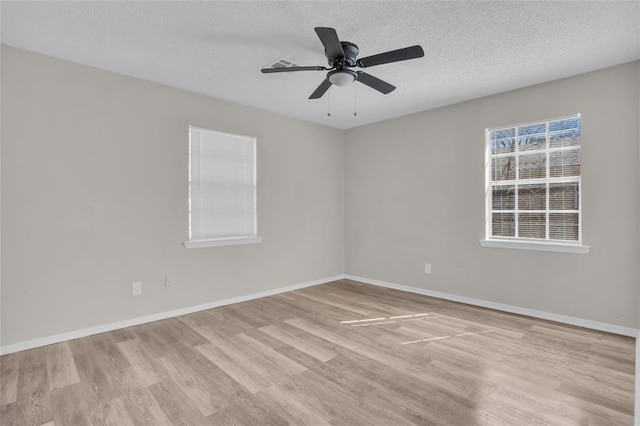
[222,242]
[537,246]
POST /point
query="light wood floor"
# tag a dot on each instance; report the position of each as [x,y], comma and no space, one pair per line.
[342,353]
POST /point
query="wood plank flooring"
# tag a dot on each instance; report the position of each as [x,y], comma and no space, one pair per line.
[342,353]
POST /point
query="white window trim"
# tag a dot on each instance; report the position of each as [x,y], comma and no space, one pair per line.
[536,246]
[520,243]
[191,244]
[226,240]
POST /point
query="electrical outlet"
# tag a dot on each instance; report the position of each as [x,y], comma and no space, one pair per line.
[427,268]
[136,289]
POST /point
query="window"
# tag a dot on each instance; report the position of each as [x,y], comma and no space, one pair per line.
[222,189]
[533,186]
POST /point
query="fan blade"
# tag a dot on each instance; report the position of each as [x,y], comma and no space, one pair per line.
[290,69]
[330,41]
[391,56]
[375,83]
[321,90]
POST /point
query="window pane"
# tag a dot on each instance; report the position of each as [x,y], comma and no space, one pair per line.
[221,185]
[503,141]
[503,168]
[564,132]
[503,225]
[532,137]
[504,198]
[531,225]
[563,226]
[563,196]
[532,197]
[537,165]
[565,163]
[533,166]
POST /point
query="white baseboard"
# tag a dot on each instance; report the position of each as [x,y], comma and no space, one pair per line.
[609,328]
[49,340]
[637,404]
[565,319]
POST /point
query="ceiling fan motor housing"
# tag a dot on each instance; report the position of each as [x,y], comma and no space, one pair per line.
[350,54]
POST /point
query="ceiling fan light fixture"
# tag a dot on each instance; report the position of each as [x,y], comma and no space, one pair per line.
[342,77]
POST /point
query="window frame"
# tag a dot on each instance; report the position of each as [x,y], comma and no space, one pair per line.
[223,240]
[515,242]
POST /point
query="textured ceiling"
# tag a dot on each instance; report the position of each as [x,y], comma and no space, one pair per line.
[472,49]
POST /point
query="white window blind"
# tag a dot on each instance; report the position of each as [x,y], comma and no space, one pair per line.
[222,186]
[534,182]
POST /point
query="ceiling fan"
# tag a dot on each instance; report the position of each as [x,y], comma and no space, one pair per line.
[341,56]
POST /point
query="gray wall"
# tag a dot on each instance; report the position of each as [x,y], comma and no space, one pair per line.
[415,194]
[94,197]
[93,182]
[638,263]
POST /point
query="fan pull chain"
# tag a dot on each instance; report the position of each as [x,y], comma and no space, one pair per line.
[329,103]
[355,110]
